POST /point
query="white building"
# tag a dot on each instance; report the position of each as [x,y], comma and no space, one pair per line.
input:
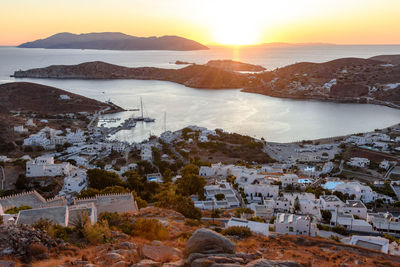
[146,153]
[361,192]
[355,207]
[265,211]
[45,166]
[348,221]
[289,179]
[295,225]
[358,162]
[384,165]
[75,182]
[331,203]
[256,227]
[371,242]
[265,190]
[20,129]
[76,137]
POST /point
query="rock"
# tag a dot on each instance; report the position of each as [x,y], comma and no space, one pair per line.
[209,242]
[127,245]
[7,263]
[121,264]
[226,265]
[148,263]
[161,253]
[90,265]
[271,263]
[202,262]
[110,257]
[174,264]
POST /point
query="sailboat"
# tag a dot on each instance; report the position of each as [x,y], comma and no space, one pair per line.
[142,118]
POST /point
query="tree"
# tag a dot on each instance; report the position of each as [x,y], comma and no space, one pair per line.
[191,183]
[22,182]
[219,196]
[326,215]
[167,176]
[101,179]
[216,213]
[297,204]
[169,198]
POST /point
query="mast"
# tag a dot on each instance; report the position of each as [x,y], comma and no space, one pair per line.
[165,121]
[141,106]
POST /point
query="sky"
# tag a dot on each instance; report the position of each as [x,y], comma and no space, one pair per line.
[229,22]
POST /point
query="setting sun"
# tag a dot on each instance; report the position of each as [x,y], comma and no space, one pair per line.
[236,25]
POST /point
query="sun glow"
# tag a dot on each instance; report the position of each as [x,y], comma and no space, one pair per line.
[236,24]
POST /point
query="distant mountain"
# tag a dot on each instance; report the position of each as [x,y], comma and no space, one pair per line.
[114,41]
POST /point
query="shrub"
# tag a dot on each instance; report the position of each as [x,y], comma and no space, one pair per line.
[238,231]
[216,213]
[323,227]
[151,229]
[257,219]
[239,211]
[15,210]
[98,233]
[37,250]
[335,238]
[219,196]
[191,222]
[340,230]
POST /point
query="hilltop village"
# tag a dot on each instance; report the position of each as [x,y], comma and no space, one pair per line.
[346,189]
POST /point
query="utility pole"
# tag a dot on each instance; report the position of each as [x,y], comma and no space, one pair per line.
[3,178]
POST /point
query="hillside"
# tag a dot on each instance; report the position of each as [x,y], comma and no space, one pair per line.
[231,65]
[354,80]
[390,59]
[345,80]
[37,98]
[196,76]
[113,41]
[176,244]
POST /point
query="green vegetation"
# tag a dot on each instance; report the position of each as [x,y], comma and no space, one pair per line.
[100,179]
[216,213]
[191,183]
[151,229]
[326,216]
[257,219]
[15,210]
[219,197]
[385,190]
[240,211]
[237,231]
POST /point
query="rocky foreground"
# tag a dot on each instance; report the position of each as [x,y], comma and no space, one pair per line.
[354,80]
[194,246]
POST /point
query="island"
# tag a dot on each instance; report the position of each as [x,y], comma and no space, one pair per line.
[114,41]
[353,80]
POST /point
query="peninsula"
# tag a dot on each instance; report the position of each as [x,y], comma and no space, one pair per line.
[114,41]
[354,80]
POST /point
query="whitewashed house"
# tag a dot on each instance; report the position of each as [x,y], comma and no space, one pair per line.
[75,182]
[371,242]
[265,190]
[355,207]
[292,224]
[289,179]
[256,227]
[361,192]
[20,129]
[45,166]
[358,162]
[330,202]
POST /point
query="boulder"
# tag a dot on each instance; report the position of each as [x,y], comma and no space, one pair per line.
[161,253]
[148,263]
[271,263]
[209,242]
[7,263]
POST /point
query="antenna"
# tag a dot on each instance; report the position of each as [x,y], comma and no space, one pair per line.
[141,106]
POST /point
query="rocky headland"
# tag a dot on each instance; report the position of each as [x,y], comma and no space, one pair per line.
[353,80]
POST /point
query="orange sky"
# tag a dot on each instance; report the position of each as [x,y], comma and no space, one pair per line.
[208,21]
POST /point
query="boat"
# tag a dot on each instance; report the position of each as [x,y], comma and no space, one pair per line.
[142,118]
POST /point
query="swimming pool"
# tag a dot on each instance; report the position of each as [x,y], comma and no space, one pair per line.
[331,185]
[305,181]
